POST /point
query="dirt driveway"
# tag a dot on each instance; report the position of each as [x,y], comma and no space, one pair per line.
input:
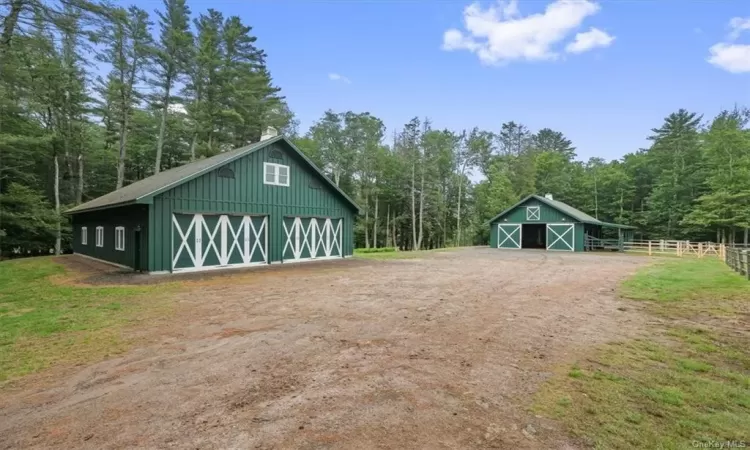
[441,352]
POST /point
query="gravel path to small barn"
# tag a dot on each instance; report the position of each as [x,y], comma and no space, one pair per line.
[441,352]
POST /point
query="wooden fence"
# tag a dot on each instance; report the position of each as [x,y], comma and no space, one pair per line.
[737,259]
[677,248]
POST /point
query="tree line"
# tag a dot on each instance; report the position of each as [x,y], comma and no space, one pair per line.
[692,182]
[94,97]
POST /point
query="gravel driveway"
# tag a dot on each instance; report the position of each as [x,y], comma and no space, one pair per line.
[440,352]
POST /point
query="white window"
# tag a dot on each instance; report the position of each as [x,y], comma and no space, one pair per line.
[84,236]
[532,213]
[100,236]
[276,174]
[120,238]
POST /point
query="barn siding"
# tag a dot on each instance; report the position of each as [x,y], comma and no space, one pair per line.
[578,244]
[128,217]
[547,214]
[247,194]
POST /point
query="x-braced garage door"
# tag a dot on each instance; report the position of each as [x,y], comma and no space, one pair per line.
[203,241]
[312,238]
[508,236]
[561,237]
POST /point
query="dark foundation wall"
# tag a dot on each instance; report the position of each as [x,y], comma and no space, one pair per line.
[129,217]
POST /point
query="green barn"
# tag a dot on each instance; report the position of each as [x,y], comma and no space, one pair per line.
[545,223]
[261,204]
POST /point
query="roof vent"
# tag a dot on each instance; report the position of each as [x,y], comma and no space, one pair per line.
[269,133]
[548,196]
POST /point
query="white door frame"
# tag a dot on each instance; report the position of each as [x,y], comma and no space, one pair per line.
[571,229]
[519,226]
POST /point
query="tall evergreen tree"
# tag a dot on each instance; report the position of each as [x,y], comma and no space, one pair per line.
[172,55]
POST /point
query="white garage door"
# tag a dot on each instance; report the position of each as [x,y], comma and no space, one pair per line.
[312,238]
[206,241]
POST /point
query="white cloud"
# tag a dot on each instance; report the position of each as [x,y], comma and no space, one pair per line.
[499,34]
[738,25]
[589,40]
[733,58]
[339,77]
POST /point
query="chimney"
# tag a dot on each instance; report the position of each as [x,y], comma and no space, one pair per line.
[269,133]
[548,196]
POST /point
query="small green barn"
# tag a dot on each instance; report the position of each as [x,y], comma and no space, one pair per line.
[545,223]
[261,204]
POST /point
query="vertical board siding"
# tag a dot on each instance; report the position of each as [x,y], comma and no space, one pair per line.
[128,217]
[247,194]
[547,214]
[579,244]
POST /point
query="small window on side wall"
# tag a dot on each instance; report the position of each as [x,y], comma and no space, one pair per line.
[100,236]
[275,174]
[84,236]
[120,238]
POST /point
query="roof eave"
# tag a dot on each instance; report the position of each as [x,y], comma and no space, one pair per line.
[149,198]
[99,208]
[317,169]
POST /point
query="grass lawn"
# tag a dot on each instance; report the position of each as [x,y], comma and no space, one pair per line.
[46,319]
[687,381]
[360,253]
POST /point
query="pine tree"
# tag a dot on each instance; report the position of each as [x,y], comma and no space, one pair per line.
[128,48]
[172,55]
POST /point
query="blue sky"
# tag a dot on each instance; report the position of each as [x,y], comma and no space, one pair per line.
[394,59]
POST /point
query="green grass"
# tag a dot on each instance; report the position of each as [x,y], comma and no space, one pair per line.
[46,319]
[392,254]
[686,279]
[687,380]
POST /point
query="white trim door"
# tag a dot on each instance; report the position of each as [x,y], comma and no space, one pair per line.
[309,238]
[211,241]
[509,236]
[561,237]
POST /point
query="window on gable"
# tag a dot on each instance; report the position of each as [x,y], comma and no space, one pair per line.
[532,213]
[100,236]
[84,236]
[276,174]
[120,238]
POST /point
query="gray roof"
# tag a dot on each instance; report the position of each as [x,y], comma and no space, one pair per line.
[156,184]
[566,209]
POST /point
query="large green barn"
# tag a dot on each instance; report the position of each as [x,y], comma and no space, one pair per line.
[260,204]
[542,222]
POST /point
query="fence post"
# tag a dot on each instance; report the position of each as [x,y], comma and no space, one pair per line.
[649,248]
[700,249]
[738,264]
